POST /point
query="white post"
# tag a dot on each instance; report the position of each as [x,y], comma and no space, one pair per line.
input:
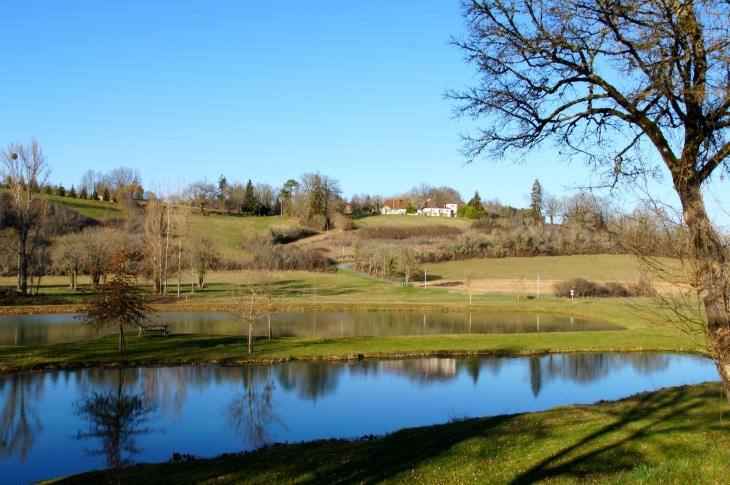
[538,287]
[572,295]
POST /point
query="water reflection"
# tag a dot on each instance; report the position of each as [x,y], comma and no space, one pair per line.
[252,412]
[20,425]
[38,329]
[71,421]
[116,419]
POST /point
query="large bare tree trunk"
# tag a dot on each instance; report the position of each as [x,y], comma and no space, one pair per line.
[711,260]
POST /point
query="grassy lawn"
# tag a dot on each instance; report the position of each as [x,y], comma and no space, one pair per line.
[672,435]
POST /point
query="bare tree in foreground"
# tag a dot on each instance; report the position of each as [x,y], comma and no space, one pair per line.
[119,302]
[254,301]
[605,80]
[25,170]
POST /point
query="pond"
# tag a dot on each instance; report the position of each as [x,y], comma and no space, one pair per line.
[41,329]
[58,423]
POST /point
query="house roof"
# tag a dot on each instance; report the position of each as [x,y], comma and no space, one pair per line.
[430,205]
[399,203]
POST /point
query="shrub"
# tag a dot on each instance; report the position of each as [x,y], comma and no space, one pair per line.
[591,289]
[283,258]
[341,221]
[286,235]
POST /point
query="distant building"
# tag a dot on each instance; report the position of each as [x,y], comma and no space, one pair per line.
[347,207]
[395,206]
[431,209]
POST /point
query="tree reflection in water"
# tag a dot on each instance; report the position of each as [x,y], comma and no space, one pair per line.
[115,418]
[312,380]
[251,413]
[20,425]
[586,368]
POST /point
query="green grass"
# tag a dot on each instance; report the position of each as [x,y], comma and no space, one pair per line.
[380,220]
[606,267]
[96,209]
[672,435]
[224,349]
[227,231]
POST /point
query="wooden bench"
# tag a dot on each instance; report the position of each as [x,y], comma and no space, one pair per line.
[153,329]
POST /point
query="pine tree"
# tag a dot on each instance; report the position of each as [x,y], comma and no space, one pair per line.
[72,192]
[248,206]
[536,201]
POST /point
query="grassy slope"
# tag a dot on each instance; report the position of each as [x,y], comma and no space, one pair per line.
[227,231]
[96,209]
[669,436]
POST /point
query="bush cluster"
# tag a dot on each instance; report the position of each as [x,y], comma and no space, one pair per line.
[286,235]
[592,289]
[284,258]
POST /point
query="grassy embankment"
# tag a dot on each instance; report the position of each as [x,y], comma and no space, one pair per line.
[672,435]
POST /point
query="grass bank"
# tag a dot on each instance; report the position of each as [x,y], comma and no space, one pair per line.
[673,435]
[230,350]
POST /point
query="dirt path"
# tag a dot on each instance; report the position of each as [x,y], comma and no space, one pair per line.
[347,267]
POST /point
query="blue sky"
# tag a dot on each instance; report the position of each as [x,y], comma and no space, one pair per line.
[253,90]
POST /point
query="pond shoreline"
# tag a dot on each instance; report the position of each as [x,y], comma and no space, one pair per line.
[199,350]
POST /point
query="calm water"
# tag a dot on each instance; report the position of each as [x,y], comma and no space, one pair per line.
[57,423]
[39,329]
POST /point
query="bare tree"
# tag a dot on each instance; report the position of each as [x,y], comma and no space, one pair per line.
[180,212]
[68,256]
[254,301]
[203,257]
[88,181]
[157,231]
[602,80]
[25,170]
[98,246]
[552,207]
[408,261]
[119,177]
[469,283]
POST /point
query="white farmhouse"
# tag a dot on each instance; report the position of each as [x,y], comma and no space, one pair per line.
[395,206]
[431,209]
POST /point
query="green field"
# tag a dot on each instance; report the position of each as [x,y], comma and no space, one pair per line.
[673,435]
[96,209]
[605,267]
[227,231]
